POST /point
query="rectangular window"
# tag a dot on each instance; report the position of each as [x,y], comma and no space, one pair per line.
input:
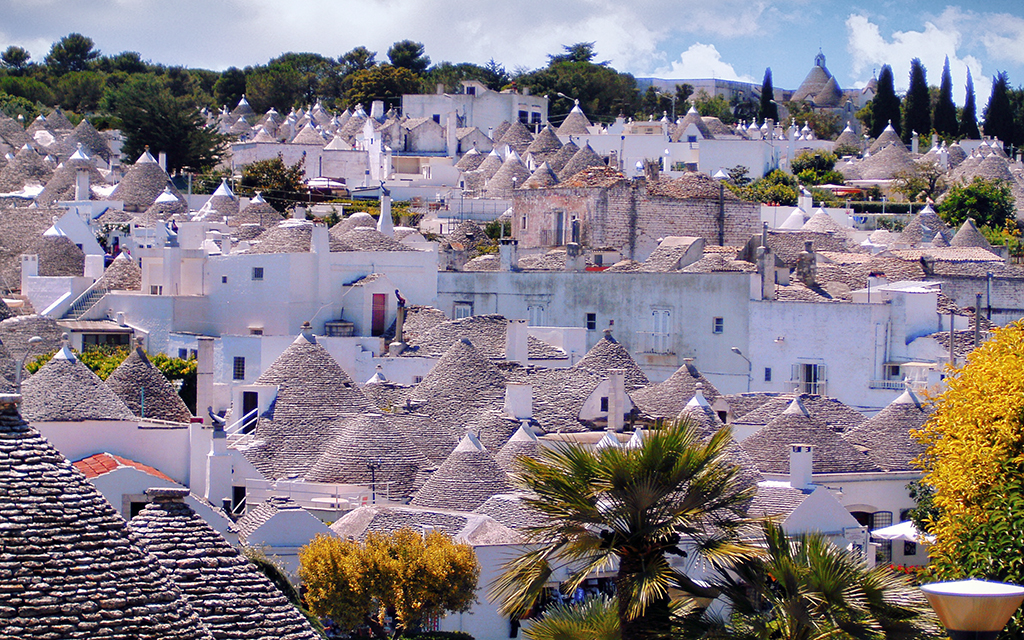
[909,548]
[523,227]
[661,330]
[255,331]
[417,379]
[536,315]
[604,404]
[718,325]
[437,118]
[238,370]
[183,354]
[767,374]
[524,117]
[224,279]
[599,259]
[470,91]
[257,273]
[462,310]
[591,321]
[810,378]
[155,289]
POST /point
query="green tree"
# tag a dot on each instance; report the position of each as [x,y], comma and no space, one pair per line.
[824,124]
[73,52]
[273,86]
[382,82]
[778,188]
[885,106]
[495,76]
[974,465]
[921,182]
[279,184]
[80,91]
[603,92]
[987,202]
[319,76]
[406,54]
[998,114]
[28,88]
[126,61]
[357,59]
[15,60]
[917,105]
[768,109]
[713,106]
[152,116]
[636,506]
[816,167]
[944,114]
[451,76]
[808,588]
[405,574]
[230,87]
[969,115]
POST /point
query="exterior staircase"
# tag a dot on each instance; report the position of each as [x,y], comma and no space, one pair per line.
[83,303]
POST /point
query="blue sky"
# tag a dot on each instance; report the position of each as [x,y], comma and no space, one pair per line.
[665,38]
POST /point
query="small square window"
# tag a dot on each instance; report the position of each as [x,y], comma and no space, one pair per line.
[462,310]
[255,331]
[417,379]
[524,224]
[909,548]
[238,370]
[224,279]
[604,404]
[257,273]
[718,326]
[591,321]
[155,289]
[183,354]
[767,374]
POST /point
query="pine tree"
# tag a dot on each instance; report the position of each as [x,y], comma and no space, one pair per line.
[885,107]
[969,116]
[998,113]
[944,115]
[768,109]
[917,106]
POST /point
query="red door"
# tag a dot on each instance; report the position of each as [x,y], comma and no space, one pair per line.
[380,308]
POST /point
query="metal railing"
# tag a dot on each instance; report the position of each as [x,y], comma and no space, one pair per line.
[819,388]
[242,422]
[86,301]
[886,384]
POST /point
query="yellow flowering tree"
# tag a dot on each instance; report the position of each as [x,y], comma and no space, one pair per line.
[404,575]
[974,466]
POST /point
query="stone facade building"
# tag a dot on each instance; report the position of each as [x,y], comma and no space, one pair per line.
[631,216]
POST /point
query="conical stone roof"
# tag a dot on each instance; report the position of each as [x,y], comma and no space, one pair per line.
[69,569]
[465,481]
[233,598]
[490,165]
[848,138]
[694,118]
[608,354]
[542,177]
[314,396]
[470,161]
[563,156]
[523,443]
[969,236]
[461,385]
[309,135]
[65,390]
[517,136]
[122,275]
[886,138]
[583,159]
[499,131]
[258,211]
[371,438]
[62,185]
[886,436]
[92,141]
[575,124]
[142,184]
[25,168]
[11,132]
[145,391]
[58,121]
[511,175]
[545,144]
[666,399]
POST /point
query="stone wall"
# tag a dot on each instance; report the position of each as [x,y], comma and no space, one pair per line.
[624,218]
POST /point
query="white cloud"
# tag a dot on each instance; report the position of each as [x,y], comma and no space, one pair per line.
[870,50]
[702,61]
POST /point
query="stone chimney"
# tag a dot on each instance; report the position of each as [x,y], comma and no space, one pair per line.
[320,240]
[450,135]
[508,254]
[161,159]
[218,468]
[385,224]
[806,265]
[915,142]
[801,466]
[81,184]
[516,341]
[377,109]
[200,437]
[519,400]
[616,398]
[652,172]
[299,213]
[204,378]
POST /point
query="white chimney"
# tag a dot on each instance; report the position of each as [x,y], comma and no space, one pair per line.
[320,240]
[451,139]
[299,213]
[519,400]
[377,109]
[204,378]
[508,254]
[515,342]
[384,223]
[616,398]
[161,159]
[218,469]
[801,466]
[81,184]
[29,269]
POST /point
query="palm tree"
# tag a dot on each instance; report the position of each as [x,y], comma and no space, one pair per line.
[594,619]
[809,589]
[635,506]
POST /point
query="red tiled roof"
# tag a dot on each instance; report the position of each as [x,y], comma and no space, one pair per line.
[103,463]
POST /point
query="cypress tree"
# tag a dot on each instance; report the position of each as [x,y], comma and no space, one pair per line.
[944,116]
[768,108]
[885,107]
[969,116]
[998,113]
[917,106]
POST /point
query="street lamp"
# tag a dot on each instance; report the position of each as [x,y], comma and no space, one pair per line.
[21,362]
[373,465]
[750,366]
[973,609]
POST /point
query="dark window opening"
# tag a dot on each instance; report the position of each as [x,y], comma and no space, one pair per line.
[767,374]
[238,368]
[591,321]
[135,507]
[604,403]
